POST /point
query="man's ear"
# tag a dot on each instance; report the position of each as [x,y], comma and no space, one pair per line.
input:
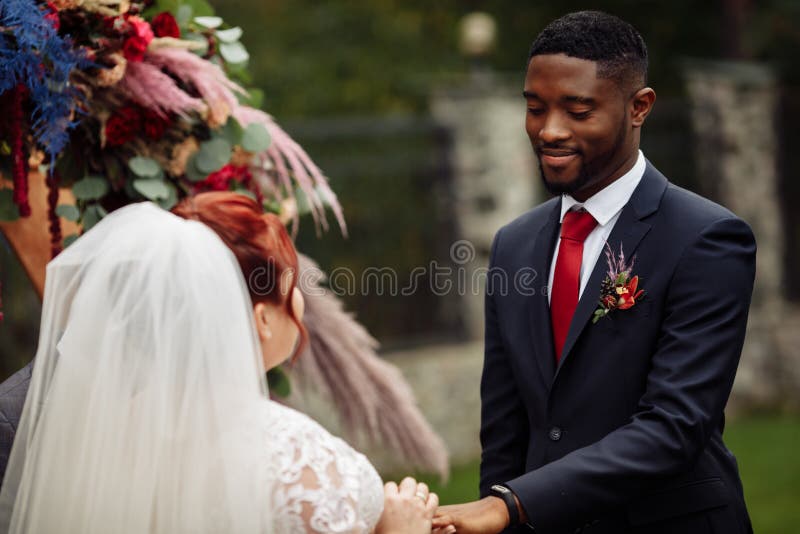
[642,103]
[261,314]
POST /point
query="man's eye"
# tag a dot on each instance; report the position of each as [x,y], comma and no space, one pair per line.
[579,115]
[535,111]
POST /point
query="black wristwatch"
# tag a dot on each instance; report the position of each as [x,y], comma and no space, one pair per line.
[507,495]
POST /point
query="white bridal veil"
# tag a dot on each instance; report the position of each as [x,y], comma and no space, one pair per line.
[146,391]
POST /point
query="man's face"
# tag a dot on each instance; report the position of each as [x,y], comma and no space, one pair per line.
[579,125]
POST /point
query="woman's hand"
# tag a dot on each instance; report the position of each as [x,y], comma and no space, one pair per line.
[408,509]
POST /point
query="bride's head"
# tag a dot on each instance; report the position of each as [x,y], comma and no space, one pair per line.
[268,261]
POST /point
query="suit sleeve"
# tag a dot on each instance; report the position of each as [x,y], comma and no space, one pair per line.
[691,377]
[504,424]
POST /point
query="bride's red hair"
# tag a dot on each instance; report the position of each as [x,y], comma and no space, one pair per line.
[260,242]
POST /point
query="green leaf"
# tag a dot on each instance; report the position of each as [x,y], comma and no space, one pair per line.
[192,172]
[69,167]
[8,210]
[90,188]
[197,38]
[272,206]
[231,35]
[183,14]
[255,138]
[172,198]
[245,192]
[213,155]
[70,239]
[279,383]
[303,206]
[233,52]
[254,98]
[208,22]
[232,131]
[151,189]
[92,215]
[201,8]
[161,5]
[144,167]
[68,211]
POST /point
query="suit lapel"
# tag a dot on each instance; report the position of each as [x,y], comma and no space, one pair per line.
[628,232]
[539,309]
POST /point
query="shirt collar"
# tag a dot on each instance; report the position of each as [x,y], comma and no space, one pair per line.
[607,202]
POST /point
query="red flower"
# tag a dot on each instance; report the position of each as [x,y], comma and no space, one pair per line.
[221,180]
[140,36]
[154,125]
[628,294]
[52,16]
[165,25]
[123,126]
[609,302]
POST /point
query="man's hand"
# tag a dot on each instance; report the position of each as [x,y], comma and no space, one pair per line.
[486,516]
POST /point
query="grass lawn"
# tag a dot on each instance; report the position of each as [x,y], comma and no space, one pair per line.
[768,451]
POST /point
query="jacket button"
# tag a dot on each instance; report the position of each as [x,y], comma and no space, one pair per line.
[554,434]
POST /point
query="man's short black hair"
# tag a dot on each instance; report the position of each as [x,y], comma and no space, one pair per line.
[614,44]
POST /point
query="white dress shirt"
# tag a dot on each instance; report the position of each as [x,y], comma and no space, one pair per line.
[605,206]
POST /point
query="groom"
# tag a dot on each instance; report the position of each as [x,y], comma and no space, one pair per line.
[613,426]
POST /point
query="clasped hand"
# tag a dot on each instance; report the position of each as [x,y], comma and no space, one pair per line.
[411,508]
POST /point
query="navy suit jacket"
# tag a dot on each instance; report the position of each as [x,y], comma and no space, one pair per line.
[625,434]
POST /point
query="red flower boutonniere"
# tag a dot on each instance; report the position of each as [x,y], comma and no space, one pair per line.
[620,290]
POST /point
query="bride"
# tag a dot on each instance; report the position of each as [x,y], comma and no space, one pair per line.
[148,410]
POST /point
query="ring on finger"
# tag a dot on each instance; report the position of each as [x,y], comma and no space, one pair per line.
[421,495]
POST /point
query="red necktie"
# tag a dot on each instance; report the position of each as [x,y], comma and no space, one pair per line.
[577,225]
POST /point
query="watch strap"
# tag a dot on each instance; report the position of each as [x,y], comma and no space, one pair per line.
[498,490]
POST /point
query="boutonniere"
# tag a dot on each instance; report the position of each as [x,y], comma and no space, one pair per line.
[619,290]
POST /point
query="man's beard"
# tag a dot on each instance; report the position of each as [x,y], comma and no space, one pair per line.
[589,171]
[583,178]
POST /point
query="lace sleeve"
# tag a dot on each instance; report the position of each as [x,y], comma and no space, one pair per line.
[322,484]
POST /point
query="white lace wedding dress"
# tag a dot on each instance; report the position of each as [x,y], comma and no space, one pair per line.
[322,485]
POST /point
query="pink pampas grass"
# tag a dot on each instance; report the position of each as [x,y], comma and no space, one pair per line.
[289,159]
[370,394]
[209,79]
[146,85]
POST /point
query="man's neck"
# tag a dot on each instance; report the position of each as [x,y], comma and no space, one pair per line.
[593,188]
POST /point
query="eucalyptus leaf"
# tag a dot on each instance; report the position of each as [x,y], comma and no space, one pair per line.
[303,206]
[144,167]
[232,131]
[233,52]
[254,98]
[68,211]
[172,197]
[208,22]
[255,138]
[278,382]
[70,239]
[151,189]
[231,35]
[69,167]
[8,210]
[184,14]
[92,215]
[90,188]
[245,192]
[192,172]
[272,206]
[213,155]
[197,38]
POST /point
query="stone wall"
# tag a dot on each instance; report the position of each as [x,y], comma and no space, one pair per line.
[733,106]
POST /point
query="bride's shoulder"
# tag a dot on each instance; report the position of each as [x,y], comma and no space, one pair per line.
[289,426]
